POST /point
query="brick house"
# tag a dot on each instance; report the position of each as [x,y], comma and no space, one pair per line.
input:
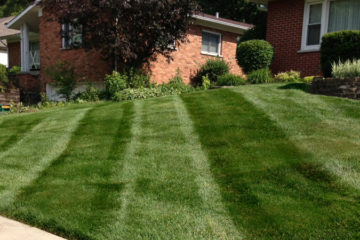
[4,31]
[295,29]
[40,44]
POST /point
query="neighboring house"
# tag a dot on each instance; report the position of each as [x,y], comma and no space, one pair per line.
[295,29]
[4,31]
[40,44]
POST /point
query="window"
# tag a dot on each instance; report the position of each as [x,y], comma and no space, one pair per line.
[344,15]
[314,26]
[322,16]
[34,56]
[211,43]
[72,37]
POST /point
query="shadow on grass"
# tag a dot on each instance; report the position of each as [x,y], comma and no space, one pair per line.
[297,86]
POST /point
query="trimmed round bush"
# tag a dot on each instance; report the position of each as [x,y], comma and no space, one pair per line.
[260,76]
[213,68]
[230,80]
[339,46]
[254,54]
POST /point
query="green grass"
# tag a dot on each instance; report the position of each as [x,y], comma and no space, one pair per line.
[254,162]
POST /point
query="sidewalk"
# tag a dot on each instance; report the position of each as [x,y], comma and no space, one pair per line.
[12,230]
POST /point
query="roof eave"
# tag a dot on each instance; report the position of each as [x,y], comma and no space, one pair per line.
[10,24]
[221,25]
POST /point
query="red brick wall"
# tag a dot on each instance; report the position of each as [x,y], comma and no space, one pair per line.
[188,57]
[88,64]
[14,54]
[284,31]
[28,82]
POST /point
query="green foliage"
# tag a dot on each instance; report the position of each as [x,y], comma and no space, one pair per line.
[206,83]
[347,69]
[256,33]
[288,77]
[91,94]
[63,73]
[115,82]
[15,70]
[12,7]
[230,80]
[308,79]
[254,54]
[138,79]
[214,68]
[260,76]
[339,46]
[137,93]
[3,74]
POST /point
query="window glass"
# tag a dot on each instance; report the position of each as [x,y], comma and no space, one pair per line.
[314,27]
[210,43]
[72,36]
[344,15]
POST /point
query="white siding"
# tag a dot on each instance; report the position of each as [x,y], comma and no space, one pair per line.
[4,58]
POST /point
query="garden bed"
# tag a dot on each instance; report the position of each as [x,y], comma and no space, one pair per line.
[340,87]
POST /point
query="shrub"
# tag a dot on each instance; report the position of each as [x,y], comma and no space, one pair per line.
[260,76]
[65,78]
[308,79]
[15,70]
[230,80]
[138,79]
[213,68]
[255,33]
[3,74]
[137,93]
[91,94]
[347,69]
[291,76]
[115,82]
[254,55]
[339,46]
[206,83]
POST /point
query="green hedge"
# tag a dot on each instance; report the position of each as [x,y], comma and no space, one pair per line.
[254,55]
[343,45]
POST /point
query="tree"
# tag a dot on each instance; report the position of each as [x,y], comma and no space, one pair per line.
[130,32]
[12,7]
[239,10]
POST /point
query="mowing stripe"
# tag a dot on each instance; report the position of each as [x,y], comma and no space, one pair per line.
[218,218]
[26,170]
[316,108]
[128,174]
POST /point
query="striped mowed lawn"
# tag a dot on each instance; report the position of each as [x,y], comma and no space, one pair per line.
[254,162]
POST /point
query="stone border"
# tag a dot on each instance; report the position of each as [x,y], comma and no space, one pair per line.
[12,95]
[340,87]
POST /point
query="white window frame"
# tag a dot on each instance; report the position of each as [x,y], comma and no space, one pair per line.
[324,23]
[218,54]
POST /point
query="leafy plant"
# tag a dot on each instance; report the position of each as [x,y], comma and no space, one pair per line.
[308,79]
[3,74]
[339,46]
[288,77]
[138,79]
[230,80]
[214,68]
[260,76]
[206,83]
[15,70]
[254,54]
[64,76]
[91,94]
[115,82]
[347,69]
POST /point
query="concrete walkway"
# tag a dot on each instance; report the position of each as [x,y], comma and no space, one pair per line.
[12,230]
